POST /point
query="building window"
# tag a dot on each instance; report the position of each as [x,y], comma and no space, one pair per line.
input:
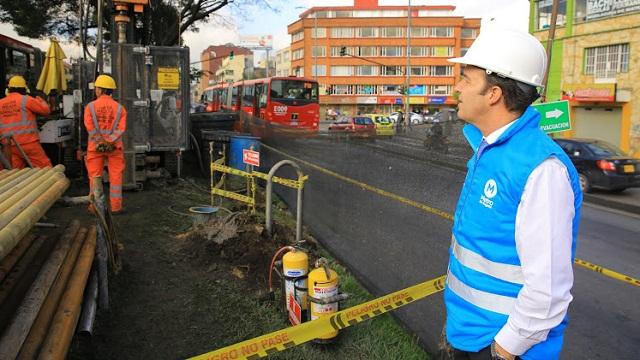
[419,32]
[441,31]
[340,89]
[543,13]
[440,90]
[318,33]
[441,70]
[297,36]
[342,71]
[368,51]
[604,62]
[463,51]
[391,32]
[580,10]
[319,51]
[297,54]
[342,32]
[366,89]
[319,70]
[366,70]
[321,14]
[441,51]
[367,32]
[300,71]
[391,51]
[343,14]
[419,51]
[468,33]
[391,70]
[419,70]
[390,89]
[335,51]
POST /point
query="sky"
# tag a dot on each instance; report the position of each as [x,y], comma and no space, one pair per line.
[260,20]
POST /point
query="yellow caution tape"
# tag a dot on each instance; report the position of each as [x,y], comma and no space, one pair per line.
[599,269]
[368,187]
[280,340]
[607,272]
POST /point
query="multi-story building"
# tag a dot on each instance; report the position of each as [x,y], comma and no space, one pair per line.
[236,69]
[211,60]
[595,64]
[283,62]
[371,75]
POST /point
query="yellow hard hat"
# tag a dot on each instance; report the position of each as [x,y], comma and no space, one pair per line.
[17,81]
[105,82]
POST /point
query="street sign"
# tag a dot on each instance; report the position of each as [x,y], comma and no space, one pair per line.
[250,157]
[554,116]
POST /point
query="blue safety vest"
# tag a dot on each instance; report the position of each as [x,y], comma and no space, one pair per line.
[484,275]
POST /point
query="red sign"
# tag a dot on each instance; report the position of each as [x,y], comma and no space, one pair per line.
[295,311]
[250,157]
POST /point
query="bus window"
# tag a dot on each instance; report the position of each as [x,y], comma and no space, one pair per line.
[262,102]
[247,95]
[286,91]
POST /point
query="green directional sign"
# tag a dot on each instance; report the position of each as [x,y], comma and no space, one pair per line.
[554,116]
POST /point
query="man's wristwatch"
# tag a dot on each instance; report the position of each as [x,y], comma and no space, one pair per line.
[494,353]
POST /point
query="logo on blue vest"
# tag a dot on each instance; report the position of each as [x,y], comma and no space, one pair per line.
[490,190]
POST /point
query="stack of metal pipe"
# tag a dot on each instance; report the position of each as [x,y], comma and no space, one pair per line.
[42,279]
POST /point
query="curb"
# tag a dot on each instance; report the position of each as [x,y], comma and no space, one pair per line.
[631,208]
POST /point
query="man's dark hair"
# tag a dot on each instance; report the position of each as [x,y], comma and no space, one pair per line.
[21,91]
[517,95]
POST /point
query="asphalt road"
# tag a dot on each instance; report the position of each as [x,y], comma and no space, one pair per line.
[390,245]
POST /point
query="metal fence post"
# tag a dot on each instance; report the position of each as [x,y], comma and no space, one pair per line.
[269,191]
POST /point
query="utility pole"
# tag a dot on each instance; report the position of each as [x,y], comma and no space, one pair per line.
[551,36]
[407,113]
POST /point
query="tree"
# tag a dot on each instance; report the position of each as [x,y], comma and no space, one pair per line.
[43,18]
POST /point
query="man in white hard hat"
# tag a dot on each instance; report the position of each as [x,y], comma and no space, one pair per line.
[514,233]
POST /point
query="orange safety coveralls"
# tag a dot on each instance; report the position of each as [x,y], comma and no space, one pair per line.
[106,121]
[18,118]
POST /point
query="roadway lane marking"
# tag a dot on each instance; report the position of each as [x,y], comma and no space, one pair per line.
[596,268]
[368,187]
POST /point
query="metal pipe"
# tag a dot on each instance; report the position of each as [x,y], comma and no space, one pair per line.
[89,305]
[17,331]
[25,197]
[60,334]
[407,86]
[41,325]
[8,262]
[101,247]
[4,161]
[21,151]
[269,192]
[21,224]
[17,282]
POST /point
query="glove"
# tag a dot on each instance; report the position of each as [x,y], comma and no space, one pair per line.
[105,147]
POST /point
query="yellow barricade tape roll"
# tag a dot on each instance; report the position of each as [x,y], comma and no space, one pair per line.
[280,340]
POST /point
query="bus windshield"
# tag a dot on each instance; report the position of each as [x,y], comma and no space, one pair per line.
[288,91]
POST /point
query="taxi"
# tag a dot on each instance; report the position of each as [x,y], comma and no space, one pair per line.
[384,126]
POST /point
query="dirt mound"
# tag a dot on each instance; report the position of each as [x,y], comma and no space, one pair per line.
[237,239]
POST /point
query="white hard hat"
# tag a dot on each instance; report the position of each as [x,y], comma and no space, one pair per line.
[509,53]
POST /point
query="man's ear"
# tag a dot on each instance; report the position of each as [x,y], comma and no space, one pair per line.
[495,95]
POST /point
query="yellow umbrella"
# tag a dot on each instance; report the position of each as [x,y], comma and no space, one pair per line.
[52,76]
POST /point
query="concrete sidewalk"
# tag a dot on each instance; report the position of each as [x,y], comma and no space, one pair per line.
[628,200]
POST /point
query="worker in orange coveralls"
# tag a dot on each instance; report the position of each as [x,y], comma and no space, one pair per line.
[106,122]
[18,120]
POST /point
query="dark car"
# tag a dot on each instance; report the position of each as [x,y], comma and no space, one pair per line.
[601,165]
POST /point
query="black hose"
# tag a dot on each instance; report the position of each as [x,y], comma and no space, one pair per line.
[195,142]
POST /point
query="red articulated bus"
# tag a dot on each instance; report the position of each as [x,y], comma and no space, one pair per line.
[213,97]
[280,105]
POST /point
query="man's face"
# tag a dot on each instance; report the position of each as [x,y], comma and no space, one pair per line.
[472,103]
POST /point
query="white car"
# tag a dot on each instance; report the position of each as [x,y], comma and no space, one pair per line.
[417,119]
